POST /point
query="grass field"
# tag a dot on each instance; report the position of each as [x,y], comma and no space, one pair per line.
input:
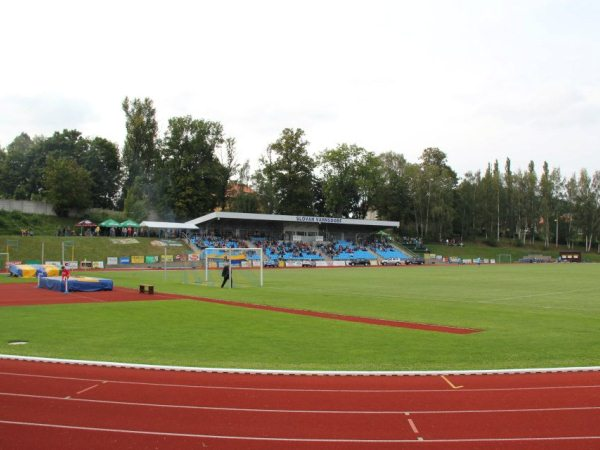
[532,316]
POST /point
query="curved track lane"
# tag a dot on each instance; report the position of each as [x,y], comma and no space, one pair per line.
[65,406]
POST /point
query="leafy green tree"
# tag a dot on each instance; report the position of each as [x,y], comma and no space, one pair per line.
[242,199]
[585,194]
[369,171]
[468,205]
[550,187]
[196,178]
[141,150]
[434,188]
[18,177]
[264,180]
[392,196]
[340,179]
[136,204]
[509,205]
[291,174]
[68,185]
[67,144]
[3,184]
[101,159]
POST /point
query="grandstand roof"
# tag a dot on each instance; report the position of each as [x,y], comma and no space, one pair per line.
[287,218]
[168,225]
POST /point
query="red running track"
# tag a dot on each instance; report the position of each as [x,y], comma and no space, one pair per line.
[62,406]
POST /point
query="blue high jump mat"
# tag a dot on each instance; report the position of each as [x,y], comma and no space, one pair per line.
[76,284]
[33,270]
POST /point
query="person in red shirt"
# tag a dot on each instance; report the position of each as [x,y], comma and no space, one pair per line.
[65,273]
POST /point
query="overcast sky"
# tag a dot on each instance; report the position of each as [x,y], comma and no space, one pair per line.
[481,79]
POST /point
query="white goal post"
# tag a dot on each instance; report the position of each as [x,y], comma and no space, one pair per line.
[504,258]
[246,265]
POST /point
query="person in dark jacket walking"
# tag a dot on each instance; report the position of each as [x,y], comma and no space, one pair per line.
[225,273]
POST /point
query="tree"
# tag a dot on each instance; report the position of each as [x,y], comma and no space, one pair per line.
[434,186]
[340,179]
[392,197]
[3,184]
[509,189]
[136,204]
[101,160]
[17,176]
[196,179]
[289,174]
[264,180]
[67,185]
[245,200]
[67,144]
[141,151]
[585,193]
[547,190]
[468,204]
[229,163]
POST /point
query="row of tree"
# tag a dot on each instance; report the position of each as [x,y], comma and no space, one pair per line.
[192,170]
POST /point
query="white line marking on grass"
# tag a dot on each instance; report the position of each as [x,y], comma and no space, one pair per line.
[242,388]
[294,439]
[298,411]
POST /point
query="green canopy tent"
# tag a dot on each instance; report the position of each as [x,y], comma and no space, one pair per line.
[109,223]
[128,227]
[129,223]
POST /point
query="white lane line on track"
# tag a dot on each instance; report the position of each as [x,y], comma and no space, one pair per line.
[453,386]
[87,389]
[293,439]
[413,426]
[242,388]
[300,411]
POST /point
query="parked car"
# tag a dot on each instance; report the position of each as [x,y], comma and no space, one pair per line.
[417,260]
[359,262]
[270,263]
[309,263]
[391,262]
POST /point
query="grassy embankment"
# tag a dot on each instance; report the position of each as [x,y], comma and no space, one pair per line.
[482,250]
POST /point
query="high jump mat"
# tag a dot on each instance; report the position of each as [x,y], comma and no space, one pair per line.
[33,270]
[76,284]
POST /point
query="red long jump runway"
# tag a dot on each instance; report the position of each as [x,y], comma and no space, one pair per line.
[65,406]
[24,294]
[28,294]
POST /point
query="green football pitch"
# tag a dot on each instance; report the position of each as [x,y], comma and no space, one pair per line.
[539,315]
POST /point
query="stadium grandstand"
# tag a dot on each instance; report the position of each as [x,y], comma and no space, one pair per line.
[296,238]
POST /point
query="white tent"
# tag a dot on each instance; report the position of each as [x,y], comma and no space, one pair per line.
[168,225]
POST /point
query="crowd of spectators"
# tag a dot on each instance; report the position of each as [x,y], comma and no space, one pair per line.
[277,249]
[284,249]
[212,241]
[452,242]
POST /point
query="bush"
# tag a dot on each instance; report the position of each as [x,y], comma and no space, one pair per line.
[490,242]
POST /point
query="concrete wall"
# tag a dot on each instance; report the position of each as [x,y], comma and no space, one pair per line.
[27,206]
